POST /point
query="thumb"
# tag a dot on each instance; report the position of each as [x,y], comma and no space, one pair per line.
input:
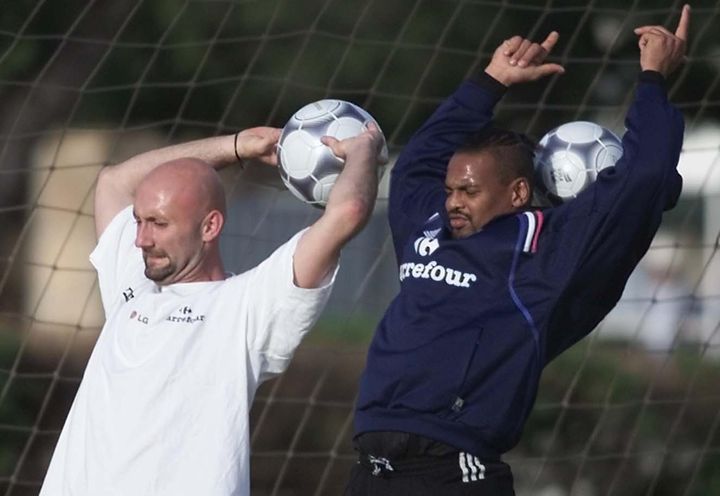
[550,69]
[330,141]
[334,145]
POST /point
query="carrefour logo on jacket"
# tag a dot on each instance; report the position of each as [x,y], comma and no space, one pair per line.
[425,246]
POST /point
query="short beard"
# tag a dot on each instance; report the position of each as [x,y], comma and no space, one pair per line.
[159,274]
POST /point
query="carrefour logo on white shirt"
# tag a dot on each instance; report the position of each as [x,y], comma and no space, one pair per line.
[425,246]
[185,317]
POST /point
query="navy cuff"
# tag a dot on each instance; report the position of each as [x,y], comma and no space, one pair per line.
[490,84]
[652,77]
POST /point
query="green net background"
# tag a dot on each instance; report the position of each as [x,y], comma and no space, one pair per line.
[632,409]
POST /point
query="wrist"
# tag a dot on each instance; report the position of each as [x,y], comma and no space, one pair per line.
[237,153]
[492,84]
[498,76]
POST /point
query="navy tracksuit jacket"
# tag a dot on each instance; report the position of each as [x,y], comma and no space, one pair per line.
[458,355]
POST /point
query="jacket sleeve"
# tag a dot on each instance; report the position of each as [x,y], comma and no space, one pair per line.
[417,181]
[596,240]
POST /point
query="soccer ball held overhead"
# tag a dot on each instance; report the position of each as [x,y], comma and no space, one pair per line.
[569,158]
[307,167]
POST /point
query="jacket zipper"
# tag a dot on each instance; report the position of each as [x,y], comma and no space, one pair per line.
[458,402]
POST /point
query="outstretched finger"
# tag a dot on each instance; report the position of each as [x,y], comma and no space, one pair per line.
[548,70]
[684,24]
[550,41]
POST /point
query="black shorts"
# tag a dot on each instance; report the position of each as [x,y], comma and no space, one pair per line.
[399,464]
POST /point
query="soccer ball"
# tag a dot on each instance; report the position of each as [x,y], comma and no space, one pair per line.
[308,167]
[569,158]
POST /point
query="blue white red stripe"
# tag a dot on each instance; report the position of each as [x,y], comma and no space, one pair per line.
[534,226]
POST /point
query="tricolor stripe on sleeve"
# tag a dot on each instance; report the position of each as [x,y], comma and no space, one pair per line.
[534,226]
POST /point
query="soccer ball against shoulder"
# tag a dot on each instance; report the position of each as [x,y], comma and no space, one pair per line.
[308,167]
[569,157]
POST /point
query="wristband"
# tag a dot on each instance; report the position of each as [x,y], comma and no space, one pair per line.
[237,155]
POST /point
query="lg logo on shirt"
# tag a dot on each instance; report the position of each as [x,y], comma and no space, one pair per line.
[139,317]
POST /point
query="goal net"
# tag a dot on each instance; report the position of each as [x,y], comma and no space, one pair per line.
[632,409]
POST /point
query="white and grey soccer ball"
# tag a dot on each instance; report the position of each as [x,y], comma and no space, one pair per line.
[569,158]
[308,167]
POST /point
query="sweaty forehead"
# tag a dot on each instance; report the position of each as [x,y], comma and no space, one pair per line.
[166,198]
[152,201]
[471,169]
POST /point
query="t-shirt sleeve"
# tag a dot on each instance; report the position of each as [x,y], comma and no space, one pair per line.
[116,258]
[279,313]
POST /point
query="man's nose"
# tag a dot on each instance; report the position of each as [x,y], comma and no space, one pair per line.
[454,200]
[143,236]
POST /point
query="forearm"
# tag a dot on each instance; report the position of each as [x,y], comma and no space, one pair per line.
[218,152]
[417,184]
[653,140]
[116,184]
[352,198]
[348,209]
[468,110]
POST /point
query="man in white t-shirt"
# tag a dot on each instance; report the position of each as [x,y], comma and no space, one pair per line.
[163,405]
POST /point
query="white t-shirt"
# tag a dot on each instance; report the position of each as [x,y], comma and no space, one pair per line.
[163,405]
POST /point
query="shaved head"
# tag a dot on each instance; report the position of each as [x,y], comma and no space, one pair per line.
[180,208]
[190,183]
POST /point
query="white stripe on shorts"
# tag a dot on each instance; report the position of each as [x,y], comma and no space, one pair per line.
[471,467]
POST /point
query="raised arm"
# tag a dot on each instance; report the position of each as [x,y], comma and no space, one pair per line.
[604,232]
[348,209]
[417,187]
[116,185]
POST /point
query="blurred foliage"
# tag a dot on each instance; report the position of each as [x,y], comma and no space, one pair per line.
[627,421]
[207,66]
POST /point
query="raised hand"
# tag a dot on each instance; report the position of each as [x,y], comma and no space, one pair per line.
[258,143]
[661,50]
[519,60]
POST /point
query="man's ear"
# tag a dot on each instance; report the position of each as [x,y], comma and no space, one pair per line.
[520,191]
[212,225]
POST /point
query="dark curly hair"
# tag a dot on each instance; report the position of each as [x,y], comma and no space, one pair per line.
[513,152]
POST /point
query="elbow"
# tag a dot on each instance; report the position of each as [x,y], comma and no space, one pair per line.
[111,187]
[674,188]
[357,212]
[351,215]
[110,178]
[105,180]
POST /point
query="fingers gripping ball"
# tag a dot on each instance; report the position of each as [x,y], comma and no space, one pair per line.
[569,158]
[308,167]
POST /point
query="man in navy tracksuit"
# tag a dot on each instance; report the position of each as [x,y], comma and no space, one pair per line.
[491,290]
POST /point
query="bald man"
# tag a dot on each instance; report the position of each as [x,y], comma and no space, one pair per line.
[163,405]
